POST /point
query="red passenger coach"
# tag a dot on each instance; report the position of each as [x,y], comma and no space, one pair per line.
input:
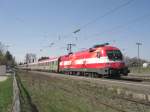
[103,60]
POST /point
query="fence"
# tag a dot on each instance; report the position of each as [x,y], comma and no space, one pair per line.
[16,94]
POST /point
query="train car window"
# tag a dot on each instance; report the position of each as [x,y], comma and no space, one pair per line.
[50,64]
[98,54]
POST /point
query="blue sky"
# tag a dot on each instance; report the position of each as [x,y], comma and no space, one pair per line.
[30,25]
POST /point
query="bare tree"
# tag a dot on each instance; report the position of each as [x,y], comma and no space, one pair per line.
[6,58]
[30,58]
[2,47]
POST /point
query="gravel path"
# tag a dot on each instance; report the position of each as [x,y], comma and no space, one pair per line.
[3,78]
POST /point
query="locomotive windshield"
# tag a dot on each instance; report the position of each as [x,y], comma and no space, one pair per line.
[114,55]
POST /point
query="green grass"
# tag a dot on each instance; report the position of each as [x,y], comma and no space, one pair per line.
[55,94]
[6,95]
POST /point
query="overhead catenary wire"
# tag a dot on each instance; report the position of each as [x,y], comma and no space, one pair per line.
[99,17]
[104,15]
[121,25]
[96,19]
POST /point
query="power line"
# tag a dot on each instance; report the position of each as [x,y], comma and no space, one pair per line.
[116,27]
[121,25]
[98,18]
[104,15]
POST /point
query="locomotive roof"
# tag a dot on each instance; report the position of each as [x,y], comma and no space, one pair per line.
[47,60]
[110,48]
[107,47]
[100,48]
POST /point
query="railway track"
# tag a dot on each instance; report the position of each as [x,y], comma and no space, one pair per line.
[131,79]
[120,79]
[124,78]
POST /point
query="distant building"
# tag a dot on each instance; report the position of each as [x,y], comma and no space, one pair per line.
[145,65]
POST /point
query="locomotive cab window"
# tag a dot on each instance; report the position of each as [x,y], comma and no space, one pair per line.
[114,55]
[98,54]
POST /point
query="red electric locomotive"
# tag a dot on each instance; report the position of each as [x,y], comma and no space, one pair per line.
[102,60]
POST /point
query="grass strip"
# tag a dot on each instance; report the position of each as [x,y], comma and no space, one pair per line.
[6,93]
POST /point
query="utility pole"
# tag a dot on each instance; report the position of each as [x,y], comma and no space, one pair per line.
[69,47]
[138,45]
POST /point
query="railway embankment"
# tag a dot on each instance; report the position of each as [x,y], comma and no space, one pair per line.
[56,92]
